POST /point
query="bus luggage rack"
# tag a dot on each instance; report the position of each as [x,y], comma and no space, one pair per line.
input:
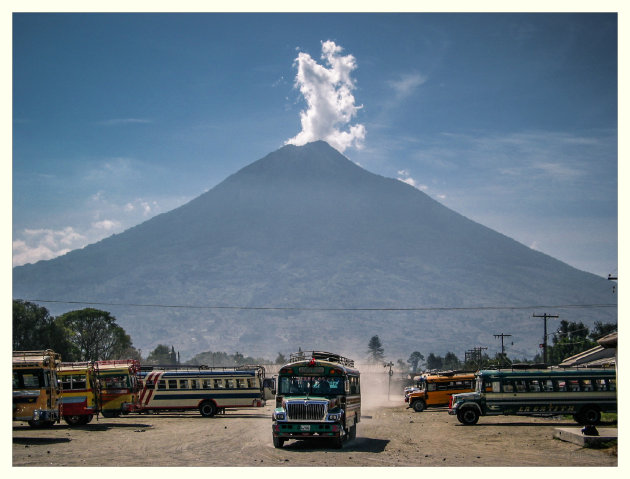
[332,357]
[305,411]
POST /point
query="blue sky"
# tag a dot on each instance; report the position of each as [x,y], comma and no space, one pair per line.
[509,119]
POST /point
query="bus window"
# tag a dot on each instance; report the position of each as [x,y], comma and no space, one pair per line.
[612,384]
[431,387]
[586,385]
[206,384]
[183,384]
[521,385]
[161,384]
[240,383]
[230,383]
[172,383]
[354,385]
[78,382]
[547,385]
[442,386]
[534,386]
[508,388]
[560,385]
[66,382]
[573,385]
[218,383]
[250,383]
[496,386]
[194,384]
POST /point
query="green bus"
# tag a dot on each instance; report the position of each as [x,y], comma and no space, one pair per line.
[582,393]
[318,397]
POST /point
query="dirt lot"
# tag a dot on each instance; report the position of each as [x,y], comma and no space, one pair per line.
[386,436]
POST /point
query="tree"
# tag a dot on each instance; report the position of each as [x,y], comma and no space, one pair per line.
[414,360]
[35,329]
[451,361]
[434,362]
[281,359]
[602,329]
[375,350]
[162,355]
[93,335]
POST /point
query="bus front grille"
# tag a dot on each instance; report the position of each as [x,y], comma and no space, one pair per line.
[306,411]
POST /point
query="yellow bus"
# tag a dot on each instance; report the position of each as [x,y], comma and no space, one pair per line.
[437,389]
[36,391]
[118,386]
[79,390]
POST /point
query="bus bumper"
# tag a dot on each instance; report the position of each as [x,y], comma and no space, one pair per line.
[306,430]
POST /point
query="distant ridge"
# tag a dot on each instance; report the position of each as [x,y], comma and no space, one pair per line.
[304,227]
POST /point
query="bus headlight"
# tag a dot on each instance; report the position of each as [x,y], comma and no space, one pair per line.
[334,417]
[279,415]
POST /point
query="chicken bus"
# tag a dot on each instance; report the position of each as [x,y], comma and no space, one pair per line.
[437,389]
[36,391]
[208,389]
[318,396]
[79,392]
[117,382]
[582,393]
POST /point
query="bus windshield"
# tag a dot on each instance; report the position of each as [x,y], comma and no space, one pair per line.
[310,385]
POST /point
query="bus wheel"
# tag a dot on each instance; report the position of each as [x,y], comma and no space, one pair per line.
[87,419]
[110,414]
[353,432]
[468,416]
[41,423]
[337,442]
[74,420]
[588,415]
[418,405]
[207,409]
[278,442]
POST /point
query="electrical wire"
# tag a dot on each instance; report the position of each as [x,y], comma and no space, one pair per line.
[329,309]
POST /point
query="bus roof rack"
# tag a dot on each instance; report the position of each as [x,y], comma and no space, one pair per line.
[323,355]
[201,367]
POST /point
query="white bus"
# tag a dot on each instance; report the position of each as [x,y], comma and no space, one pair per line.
[208,389]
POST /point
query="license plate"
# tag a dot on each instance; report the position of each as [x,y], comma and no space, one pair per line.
[305,427]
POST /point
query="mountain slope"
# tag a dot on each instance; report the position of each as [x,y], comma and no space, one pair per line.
[305,227]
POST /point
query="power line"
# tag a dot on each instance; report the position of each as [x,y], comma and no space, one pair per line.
[329,309]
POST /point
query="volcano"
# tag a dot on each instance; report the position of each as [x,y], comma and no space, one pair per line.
[303,248]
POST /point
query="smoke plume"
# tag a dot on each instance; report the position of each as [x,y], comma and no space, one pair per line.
[327,91]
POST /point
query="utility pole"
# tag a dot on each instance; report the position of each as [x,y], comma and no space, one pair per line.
[545,317]
[502,347]
[389,384]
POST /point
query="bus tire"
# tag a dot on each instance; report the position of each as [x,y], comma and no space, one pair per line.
[87,419]
[418,405]
[207,409]
[588,415]
[278,442]
[74,420]
[352,433]
[41,424]
[337,442]
[110,414]
[468,416]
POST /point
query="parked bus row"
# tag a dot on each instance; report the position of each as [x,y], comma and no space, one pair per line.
[582,393]
[46,390]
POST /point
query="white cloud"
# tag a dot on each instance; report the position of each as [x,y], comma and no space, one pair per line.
[106,225]
[329,99]
[40,244]
[407,83]
[405,177]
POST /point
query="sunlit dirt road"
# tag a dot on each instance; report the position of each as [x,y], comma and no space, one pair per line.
[387,436]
